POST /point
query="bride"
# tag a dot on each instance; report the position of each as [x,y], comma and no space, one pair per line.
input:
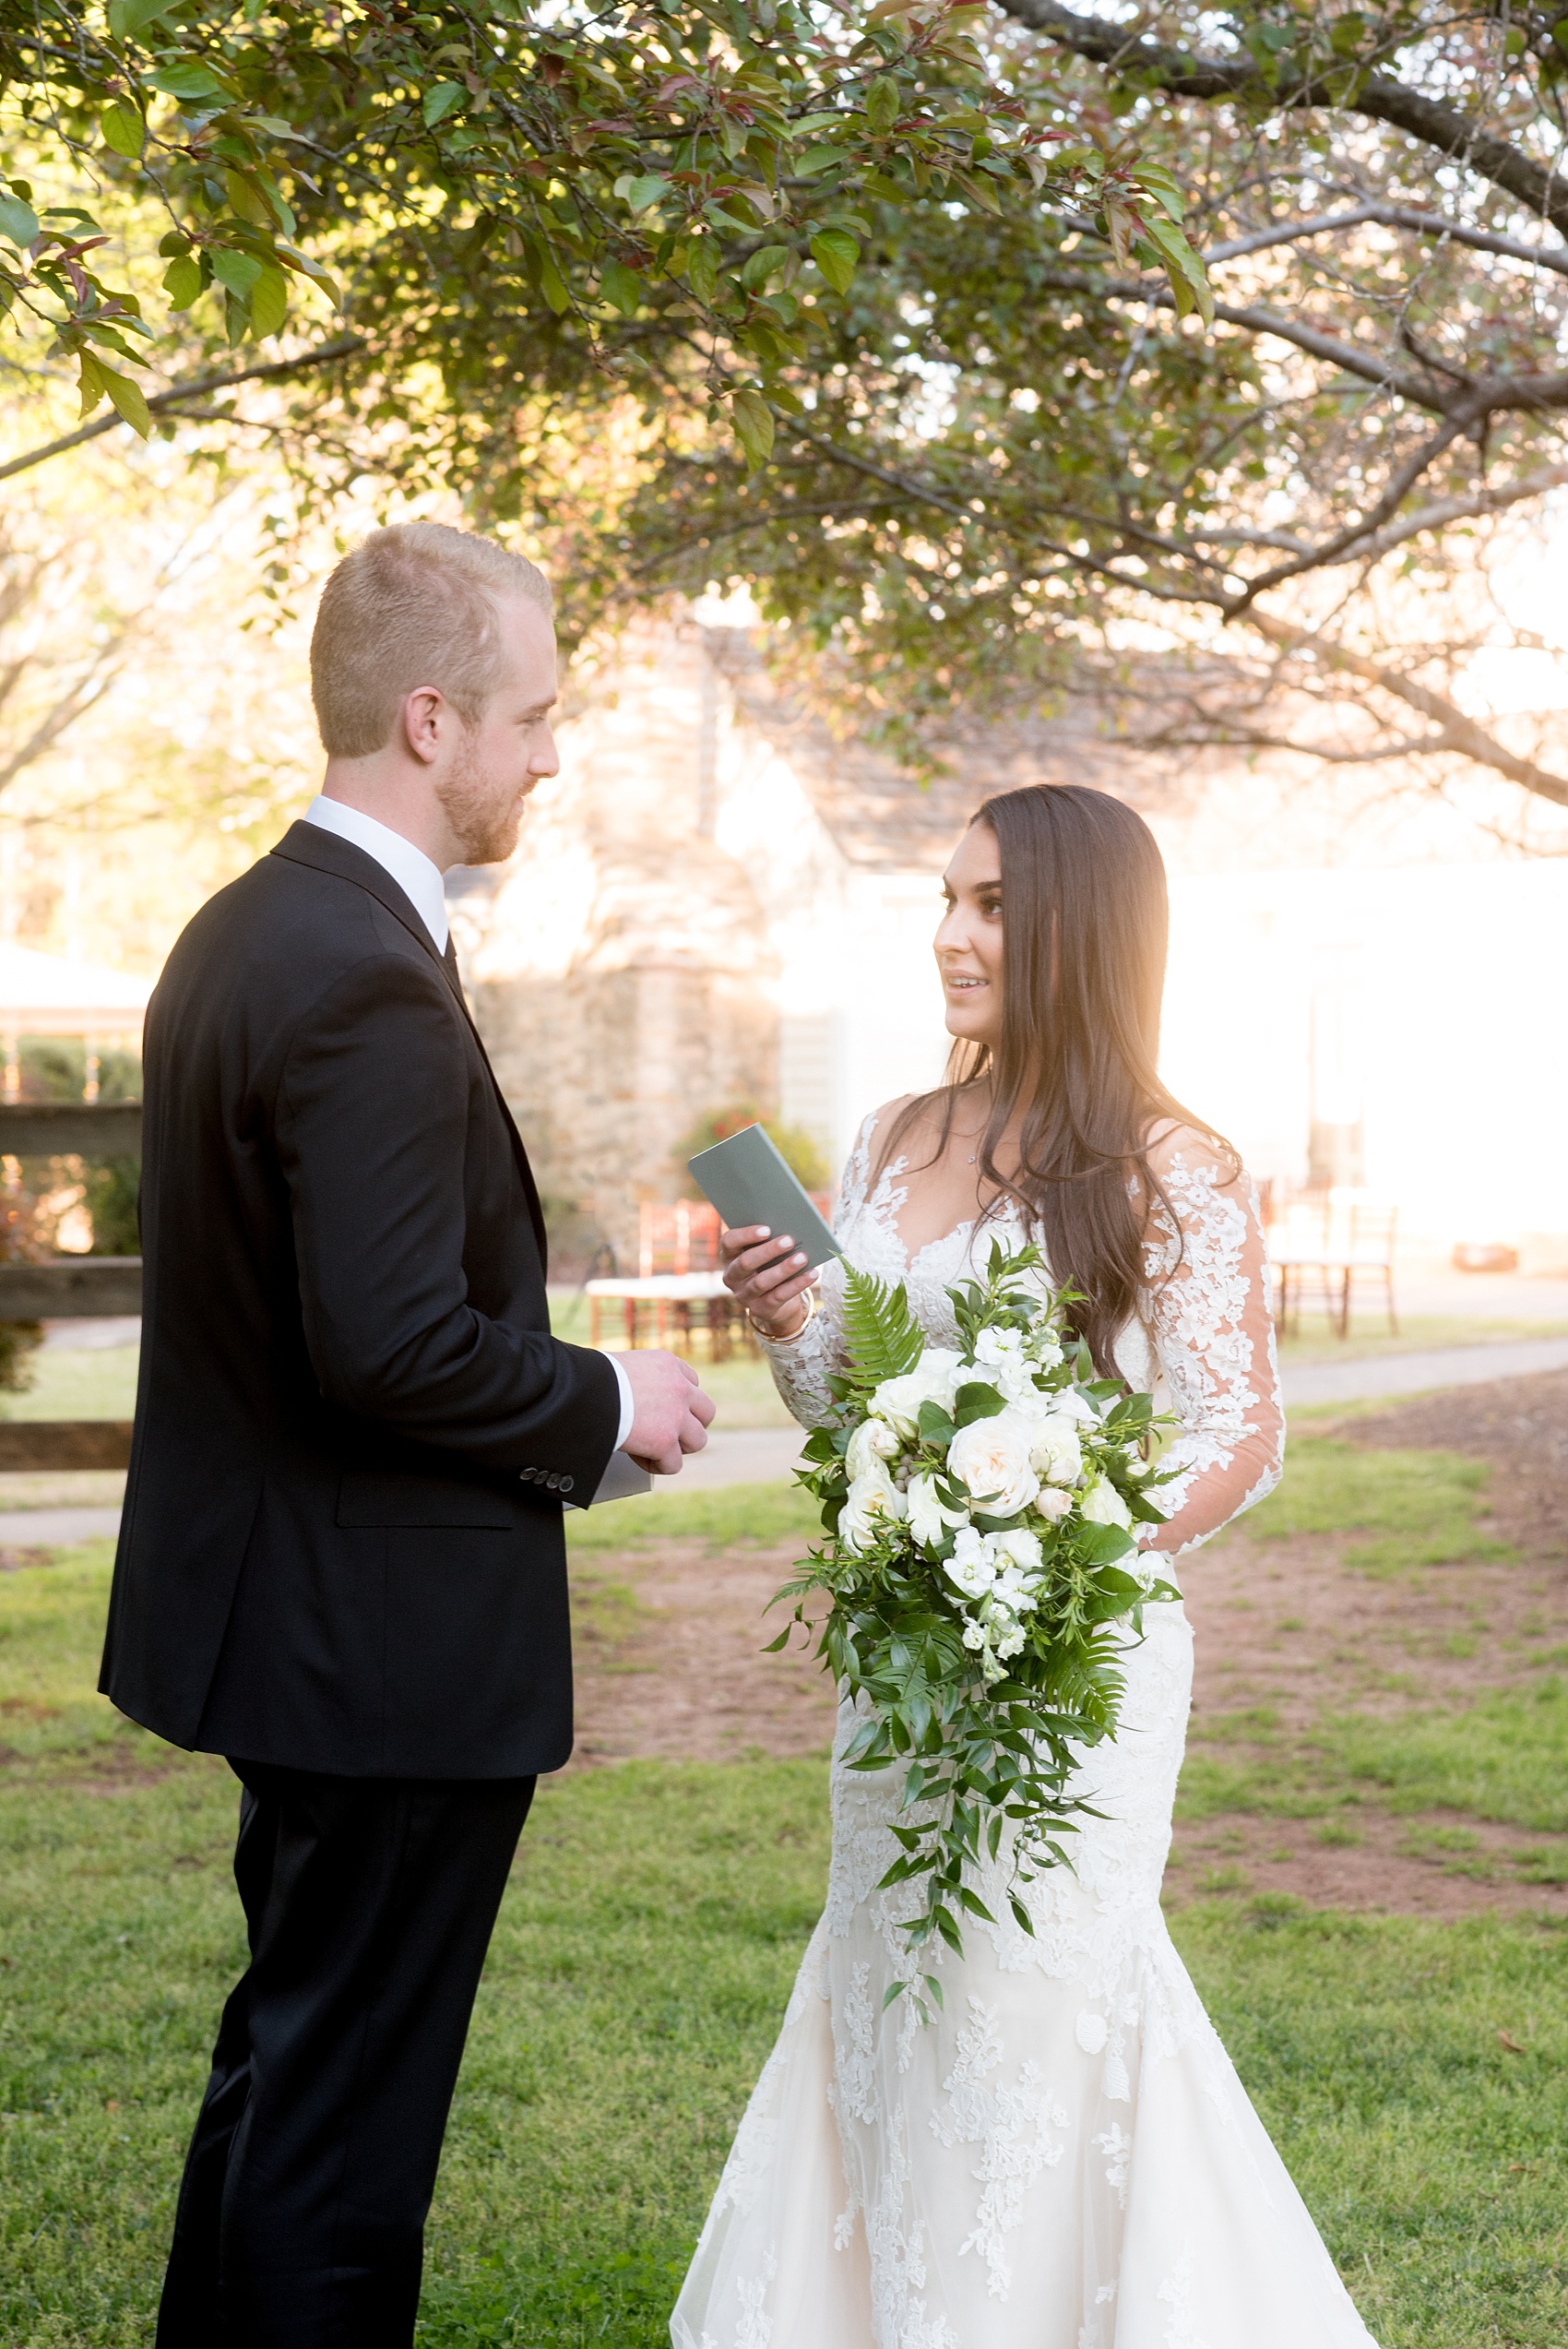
[1062,2157]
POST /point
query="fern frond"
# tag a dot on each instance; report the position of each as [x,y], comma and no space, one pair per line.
[883,1337]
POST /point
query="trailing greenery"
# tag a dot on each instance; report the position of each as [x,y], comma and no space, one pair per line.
[979,1574]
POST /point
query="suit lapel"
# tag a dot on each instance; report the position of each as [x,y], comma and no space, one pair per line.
[327,852]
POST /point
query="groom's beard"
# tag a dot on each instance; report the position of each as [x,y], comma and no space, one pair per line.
[484,816]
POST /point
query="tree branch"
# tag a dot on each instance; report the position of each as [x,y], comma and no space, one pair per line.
[343,348]
[1394,216]
[1455,730]
[1377,97]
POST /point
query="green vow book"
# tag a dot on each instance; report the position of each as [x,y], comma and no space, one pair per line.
[749,1180]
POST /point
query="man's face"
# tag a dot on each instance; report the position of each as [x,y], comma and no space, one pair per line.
[496,763]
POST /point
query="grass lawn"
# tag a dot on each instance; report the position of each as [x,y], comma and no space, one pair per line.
[1415,2074]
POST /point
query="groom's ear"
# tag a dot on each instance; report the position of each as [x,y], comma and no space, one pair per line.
[424,720]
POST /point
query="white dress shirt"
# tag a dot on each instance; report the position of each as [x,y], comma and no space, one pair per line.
[421,884]
[419,879]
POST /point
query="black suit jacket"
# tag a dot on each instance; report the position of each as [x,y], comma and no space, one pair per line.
[342,1544]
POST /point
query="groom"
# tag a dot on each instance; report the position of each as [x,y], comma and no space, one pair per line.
[341,1563]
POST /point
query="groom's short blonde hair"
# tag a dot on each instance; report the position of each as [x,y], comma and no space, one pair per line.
[413,606]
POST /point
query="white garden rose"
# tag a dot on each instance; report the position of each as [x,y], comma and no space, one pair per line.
[1053,1502]
[991,1459]
[930,1518]
[1019,1549]
[873,1440]
[873,1500]
[1054,1450]
[1103,1504]
[933,1379]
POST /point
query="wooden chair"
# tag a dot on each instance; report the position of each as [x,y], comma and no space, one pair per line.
[1323,1244]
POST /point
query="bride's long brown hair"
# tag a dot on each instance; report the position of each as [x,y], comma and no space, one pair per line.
[1084,923]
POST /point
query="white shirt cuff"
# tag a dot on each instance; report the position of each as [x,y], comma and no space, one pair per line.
[628,1408]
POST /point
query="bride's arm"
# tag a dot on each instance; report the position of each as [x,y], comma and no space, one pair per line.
[1208,1309]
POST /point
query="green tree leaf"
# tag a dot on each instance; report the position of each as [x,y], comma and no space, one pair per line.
[182,280]
[444,99]
[754,427]
[883,104]
[702,267]
[236,271]
[124,130]
[127,396]
[836,253]
[19,222]
[129,16]
[269,302]
[187,81]
[621,286]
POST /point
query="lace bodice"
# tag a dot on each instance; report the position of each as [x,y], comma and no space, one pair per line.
[1203,1341]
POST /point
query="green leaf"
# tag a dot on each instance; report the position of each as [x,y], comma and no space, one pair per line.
[753,420]
[774,1645]
[128,16]
[762,266]
[836,253]
[186,82]
[441,100]
[976,1400]
[641,193]
[702,267]
[19,222]
[883,1337]
[269,302]
[881,104]
[236,272]
[122,130]
[127,396]
[621,286]
[182,281]
[1189,281]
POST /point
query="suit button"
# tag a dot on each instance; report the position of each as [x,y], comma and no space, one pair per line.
[567,1483]
[551,1481]
[525,1475]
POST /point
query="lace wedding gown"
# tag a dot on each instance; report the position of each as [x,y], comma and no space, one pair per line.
[1065,2157]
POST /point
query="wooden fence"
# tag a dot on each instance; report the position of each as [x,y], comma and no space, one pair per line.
[68,1287]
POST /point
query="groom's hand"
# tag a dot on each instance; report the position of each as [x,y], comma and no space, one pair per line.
[671,1412]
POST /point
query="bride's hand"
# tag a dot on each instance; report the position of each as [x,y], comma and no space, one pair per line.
[767,1274]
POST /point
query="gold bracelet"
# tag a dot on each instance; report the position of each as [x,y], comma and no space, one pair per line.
[813,1307]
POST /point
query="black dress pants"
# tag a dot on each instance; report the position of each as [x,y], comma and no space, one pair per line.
[369,1904]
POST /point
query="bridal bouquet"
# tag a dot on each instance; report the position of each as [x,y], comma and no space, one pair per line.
[979,1502]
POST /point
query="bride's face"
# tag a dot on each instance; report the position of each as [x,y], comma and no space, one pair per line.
[968,944]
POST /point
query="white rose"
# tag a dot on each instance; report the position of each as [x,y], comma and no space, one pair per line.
[873,1500]
[991,1457]
[1019,1549]
[1053,1503]
[973,1563]
[1103,1504]
[928,1516]
[933,1379]
[873,1440]
[1054,1452]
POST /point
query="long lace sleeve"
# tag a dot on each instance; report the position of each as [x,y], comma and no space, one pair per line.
[802,1366]
[1209,1312]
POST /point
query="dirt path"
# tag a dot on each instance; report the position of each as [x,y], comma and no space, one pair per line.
[670,1664]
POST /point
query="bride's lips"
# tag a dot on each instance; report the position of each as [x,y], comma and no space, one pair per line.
[962,982]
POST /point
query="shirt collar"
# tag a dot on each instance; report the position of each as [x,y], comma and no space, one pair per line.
[419,879]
